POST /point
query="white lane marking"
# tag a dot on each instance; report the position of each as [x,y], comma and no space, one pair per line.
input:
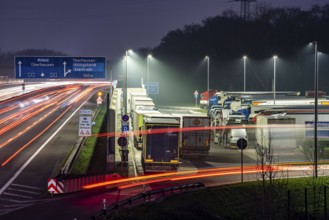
[37,152]
[24,191]
[25,186]
[17,195]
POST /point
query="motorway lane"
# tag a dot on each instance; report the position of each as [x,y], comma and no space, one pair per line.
[31,128]
[31,184]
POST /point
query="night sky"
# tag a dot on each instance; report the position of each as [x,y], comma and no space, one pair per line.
[105,27]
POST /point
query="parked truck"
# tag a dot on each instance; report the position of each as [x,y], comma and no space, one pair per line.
[194,142]
[205,96]
[160,148]
[137,123]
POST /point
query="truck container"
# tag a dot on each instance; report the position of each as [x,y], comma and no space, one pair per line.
[277,132]
[194,143]
[160,149]
[134,93]
[135,101]
[137,123]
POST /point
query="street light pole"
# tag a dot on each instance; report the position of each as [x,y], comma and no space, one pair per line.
[125,93]
[274,80]
[316,73]
[244,73]
[207,58]
[148,72]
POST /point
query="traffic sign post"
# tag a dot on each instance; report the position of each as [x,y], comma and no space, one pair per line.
[85,122]
[85,126]
[99,100]
[122,141]
[125,123]
[60,67]
[242,144]
[196,94]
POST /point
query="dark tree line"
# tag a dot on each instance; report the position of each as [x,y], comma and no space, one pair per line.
[272,30]
[285,32]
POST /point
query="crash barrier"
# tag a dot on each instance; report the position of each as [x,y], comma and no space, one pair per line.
[74,183]
[144,196]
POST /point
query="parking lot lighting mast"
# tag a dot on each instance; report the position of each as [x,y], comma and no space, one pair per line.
[207,58]
[148,72]
[125,93]
[316,73]
[244,72]
[274,73]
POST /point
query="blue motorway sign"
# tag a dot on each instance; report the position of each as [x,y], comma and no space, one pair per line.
[323,129]
[125,128]
[60,67]
[152,88]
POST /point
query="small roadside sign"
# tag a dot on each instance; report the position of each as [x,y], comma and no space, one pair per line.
[85,126]
[125,128]
[99,100]
[122,141]
[125,118]
[196,94]
[85,112]
[242,143]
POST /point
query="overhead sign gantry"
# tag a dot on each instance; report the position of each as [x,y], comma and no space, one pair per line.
[60,67]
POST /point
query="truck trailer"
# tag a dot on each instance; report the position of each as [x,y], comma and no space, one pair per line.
[194,142]
[277,132]
[138,123]
[160,148]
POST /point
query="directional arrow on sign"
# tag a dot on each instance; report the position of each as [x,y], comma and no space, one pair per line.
[65,72]
[19,69]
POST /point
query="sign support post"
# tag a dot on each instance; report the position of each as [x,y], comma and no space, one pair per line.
[196,94]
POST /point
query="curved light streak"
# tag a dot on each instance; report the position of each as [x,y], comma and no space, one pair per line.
[33,139]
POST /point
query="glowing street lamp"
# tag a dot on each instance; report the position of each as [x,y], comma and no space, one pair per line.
[274,73]
[244,72]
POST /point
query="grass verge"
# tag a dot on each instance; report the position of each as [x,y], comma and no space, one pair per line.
[83,161]
[238,201]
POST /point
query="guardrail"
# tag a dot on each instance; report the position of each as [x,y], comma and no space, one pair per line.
[144,196]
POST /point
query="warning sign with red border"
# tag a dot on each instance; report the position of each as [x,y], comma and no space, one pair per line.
[84,126]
